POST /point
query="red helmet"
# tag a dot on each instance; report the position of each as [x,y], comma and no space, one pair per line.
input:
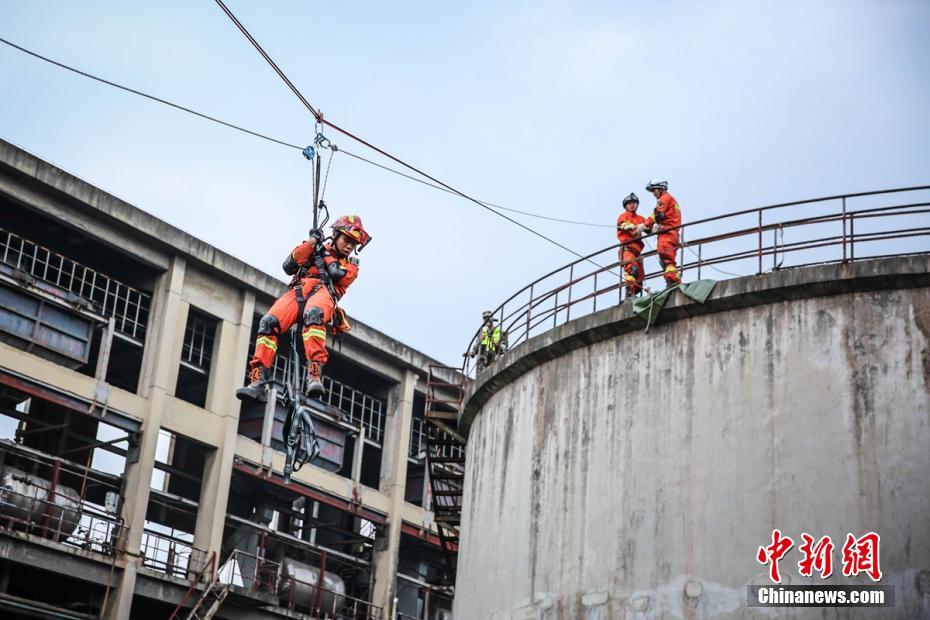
[351,225]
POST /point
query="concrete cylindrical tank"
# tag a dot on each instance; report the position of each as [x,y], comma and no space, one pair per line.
[298,586]
[612,473]
[28,502]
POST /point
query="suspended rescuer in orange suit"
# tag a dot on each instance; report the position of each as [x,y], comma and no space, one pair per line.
[666,218]
[312,264]
[629,234]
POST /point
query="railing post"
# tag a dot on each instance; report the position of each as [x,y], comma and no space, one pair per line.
[529,312]
[259,560]
[620,276]
[774,249]
[595,292]
[700,247]
[571,277]
[555,308]
[681,248]
[318,594]
[50,496]
[760,241]
[844,229]
[852,236]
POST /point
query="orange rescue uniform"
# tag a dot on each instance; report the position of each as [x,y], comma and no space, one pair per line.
[631,250]
[667,215]
[318,309]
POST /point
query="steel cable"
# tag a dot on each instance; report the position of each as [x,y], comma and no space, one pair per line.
[152,97]
[320,119]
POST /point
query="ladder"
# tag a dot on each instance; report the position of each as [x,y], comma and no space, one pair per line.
[210,601]
[211,598]
[445,457]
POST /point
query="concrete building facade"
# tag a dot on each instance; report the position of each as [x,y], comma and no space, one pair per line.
[636,475]
[130,470]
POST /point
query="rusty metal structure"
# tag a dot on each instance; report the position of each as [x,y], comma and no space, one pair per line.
[445,456]
[134,485]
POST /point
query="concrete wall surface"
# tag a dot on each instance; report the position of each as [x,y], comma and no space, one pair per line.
[637,476]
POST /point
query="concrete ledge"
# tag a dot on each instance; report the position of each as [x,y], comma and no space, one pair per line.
[777,286]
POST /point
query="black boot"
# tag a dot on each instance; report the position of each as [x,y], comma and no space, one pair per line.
[315,380]
[255,390]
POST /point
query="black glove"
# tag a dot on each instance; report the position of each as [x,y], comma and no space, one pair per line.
[317,235]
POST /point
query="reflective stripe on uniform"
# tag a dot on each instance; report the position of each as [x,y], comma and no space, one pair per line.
[671,268]
[314,332]
[265,341]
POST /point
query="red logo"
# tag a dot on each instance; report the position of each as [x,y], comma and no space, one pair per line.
[860,555]
[773,553]
[817,557]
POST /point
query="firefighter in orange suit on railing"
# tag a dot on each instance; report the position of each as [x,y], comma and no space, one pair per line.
[629,234]
[321,274]
[665,220]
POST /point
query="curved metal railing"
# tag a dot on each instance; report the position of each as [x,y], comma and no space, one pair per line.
[842,228]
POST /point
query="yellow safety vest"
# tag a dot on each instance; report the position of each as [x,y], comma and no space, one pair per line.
[490,339]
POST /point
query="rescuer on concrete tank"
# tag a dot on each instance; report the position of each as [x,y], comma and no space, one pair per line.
[666,218]
[491,344]
[321,275]
[629,234]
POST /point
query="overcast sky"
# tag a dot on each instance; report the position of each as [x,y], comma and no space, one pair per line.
[555,107]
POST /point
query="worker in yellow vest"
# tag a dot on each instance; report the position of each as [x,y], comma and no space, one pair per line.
[491,343]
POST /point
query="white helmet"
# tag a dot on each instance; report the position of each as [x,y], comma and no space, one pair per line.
[657,184]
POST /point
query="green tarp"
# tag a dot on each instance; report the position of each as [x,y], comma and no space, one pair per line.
[699,290]
[649,308]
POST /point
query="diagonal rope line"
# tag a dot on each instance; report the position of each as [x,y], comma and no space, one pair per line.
[271,62]
[485,202]
[147,96]
[319,118]
[274,140]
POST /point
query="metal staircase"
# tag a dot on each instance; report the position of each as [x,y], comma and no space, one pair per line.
[211,598]
[445,456]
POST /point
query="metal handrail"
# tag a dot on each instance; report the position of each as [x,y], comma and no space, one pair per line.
[573,290]
[110,297]
[267,576]
[206,573]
